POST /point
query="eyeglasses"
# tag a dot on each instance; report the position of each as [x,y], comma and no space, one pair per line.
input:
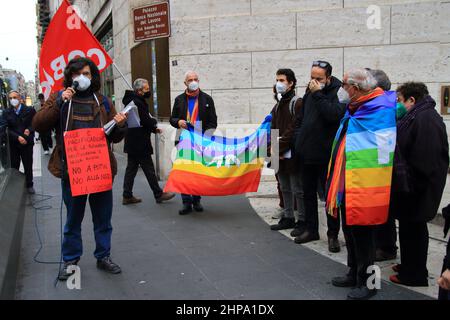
[321,64]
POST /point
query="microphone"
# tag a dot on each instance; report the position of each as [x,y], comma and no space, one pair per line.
[74,86]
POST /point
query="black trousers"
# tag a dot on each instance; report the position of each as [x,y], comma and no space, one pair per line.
[24,154]
[360,249]
[46,140]
[386,236]
[146,163]
[414,240]
[311,175]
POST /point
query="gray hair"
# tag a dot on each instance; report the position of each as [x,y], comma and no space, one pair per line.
[190,72]
[139,83]
[382,79]
[362,78]
[14,91]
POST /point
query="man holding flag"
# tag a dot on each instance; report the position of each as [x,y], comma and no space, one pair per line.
[79,106]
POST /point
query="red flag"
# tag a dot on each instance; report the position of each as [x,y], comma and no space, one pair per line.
[67,37]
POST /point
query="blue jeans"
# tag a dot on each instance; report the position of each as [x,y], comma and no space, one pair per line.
[188,199]
[101,207]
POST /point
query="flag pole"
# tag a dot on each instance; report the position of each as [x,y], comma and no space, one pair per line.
[121,74]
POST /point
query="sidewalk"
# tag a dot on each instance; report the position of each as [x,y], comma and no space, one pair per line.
[226,252]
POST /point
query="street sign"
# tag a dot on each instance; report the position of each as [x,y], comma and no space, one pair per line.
[151,22]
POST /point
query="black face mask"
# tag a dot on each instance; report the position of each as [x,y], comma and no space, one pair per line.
[147,95]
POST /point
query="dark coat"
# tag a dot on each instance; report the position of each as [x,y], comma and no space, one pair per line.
[206,113]
[51,116]
[423,147]
[17,124]
[284,120]
[318,124]
[137,140]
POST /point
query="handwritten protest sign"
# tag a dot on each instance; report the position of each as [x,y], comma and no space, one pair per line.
[88,161]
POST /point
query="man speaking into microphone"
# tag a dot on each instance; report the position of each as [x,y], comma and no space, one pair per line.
[81,106]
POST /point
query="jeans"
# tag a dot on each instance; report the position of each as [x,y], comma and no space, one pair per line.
[291,188]
[311,175]
[101,206]
[146,163]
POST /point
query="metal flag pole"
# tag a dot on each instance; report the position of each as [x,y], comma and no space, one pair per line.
[121,74]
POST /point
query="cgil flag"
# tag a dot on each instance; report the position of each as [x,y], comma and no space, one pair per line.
[219,166]
[67,37]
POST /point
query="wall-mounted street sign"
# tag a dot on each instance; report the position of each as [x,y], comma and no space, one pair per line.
[151,22]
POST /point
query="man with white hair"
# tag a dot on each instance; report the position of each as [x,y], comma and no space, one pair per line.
[359,179]
[193,108]
[138,145]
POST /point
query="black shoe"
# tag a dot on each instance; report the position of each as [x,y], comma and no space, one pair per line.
[107,265]
[306,237]
[361,293]
[30,190]
[64,274]
[198,206]
[298,229]
[333,245]
[346,281]
[187,208]
[381,255]
[283,224]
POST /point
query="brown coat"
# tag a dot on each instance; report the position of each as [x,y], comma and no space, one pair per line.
[49,117]
[284,121]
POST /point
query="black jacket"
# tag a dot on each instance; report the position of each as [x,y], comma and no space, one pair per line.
[17,124]
[206,113]
[137,140]
[423,146]
[316,127]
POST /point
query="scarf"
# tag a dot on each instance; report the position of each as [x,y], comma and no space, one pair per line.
[192,118]
[360,168]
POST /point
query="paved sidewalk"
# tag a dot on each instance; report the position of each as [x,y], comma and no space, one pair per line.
[226,252]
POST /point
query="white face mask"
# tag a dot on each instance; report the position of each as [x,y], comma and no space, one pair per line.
[193,86]
[281,87]
[14,102]
[83,82]
[322,85]
[343,96]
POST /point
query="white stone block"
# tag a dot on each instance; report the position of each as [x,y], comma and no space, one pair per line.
[194,9]
[189,37]
[340,28]
[265,64]
[445,22]
[216,71]
[255,33]
[366,3]
[232,106]
[283,6]
[417,22]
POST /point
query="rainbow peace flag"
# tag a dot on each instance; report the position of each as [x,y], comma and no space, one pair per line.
[219,166]
[361,172]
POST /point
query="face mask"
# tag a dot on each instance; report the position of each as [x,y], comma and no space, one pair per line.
[401,110]
[83,82]
[322,85]
[14,102]
[147,95]
[281,87]
[343,96]
[193,86]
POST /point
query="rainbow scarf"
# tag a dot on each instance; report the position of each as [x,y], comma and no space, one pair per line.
[191,118]
[361,165]
[219,166]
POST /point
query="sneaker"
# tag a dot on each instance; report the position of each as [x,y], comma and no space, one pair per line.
[381,255]
[283,224]
[165,196]
[333,245]
[64,274]
[298,229]
[361,293]
[187,208]
[198,207]
[131,200]
[46,152]
[306,237]
[107,265]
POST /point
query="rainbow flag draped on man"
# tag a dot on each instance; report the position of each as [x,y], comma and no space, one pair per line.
[362,161]
[219,166]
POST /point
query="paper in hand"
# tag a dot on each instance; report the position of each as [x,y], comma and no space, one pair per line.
[133,119]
